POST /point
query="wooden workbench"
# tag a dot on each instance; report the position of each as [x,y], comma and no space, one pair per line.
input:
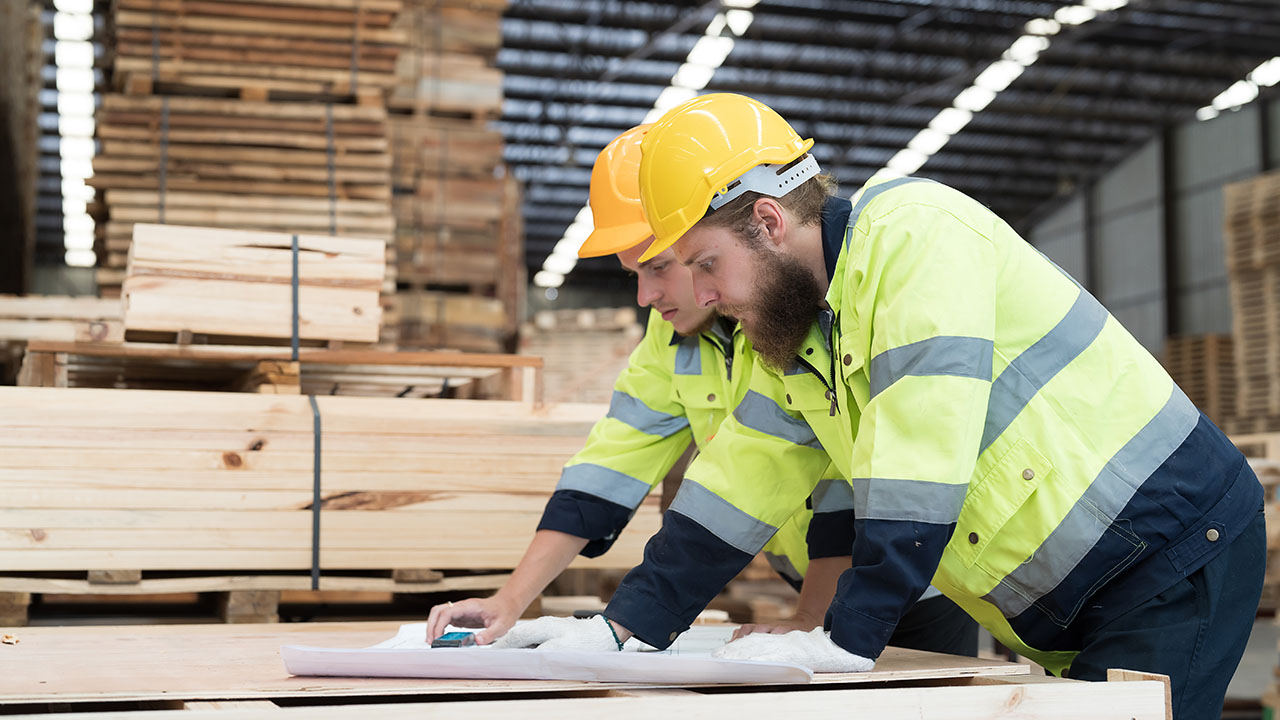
[223,666]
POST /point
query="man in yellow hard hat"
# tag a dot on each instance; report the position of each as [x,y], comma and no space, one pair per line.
[688,373]
[1005,437]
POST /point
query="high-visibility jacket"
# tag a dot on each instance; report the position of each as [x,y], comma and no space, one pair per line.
[674,389]
[1006,439]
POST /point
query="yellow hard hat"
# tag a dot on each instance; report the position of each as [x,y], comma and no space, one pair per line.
[615,197]
[694,154]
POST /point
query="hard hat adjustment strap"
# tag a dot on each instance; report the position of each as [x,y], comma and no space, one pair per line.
[772,180]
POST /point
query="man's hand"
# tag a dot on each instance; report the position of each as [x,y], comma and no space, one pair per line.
[558,633]
[781,627]
[811,649]
[493,614]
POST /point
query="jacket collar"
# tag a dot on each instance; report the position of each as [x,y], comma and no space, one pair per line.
[835,220]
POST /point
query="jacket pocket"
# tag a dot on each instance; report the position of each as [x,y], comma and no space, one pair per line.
[990,504]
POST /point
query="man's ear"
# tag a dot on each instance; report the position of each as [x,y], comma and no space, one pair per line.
[771,218]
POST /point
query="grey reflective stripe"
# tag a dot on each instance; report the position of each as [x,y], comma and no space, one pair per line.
[721,518]
[1038,364]
[635,413]
[764,415]
[942,355]
[782,565]
[689,357]
[914,500]
[605,483]
[831,496]
[870,194]
[1098,507]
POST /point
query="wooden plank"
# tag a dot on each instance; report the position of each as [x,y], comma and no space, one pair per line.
[1119,675]
[195,662]
[282,583]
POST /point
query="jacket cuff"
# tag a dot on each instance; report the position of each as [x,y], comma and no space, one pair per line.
[857,633]
[831,534]
[645,618]
[586,516]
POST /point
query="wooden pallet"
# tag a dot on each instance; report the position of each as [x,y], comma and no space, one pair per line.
[447,67]
[427,319]
[584,350]
[187,481]
[1204,367]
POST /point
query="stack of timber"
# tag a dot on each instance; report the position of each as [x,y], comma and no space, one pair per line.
[1252,241]
[447,67]
[53,317]
[1204,367]
[272,370]
[330,49]
[1263,453]
[458,231]
[583,350]
[149,481]
[289,167]
[239,283]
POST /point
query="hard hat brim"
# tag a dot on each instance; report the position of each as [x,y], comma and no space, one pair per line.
[615,239]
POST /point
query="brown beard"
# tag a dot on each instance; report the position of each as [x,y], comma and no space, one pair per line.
[786,304]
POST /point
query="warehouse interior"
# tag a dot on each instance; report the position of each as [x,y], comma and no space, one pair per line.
[231,228]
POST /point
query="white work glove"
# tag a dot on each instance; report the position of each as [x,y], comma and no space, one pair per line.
[812,649]
[559,633]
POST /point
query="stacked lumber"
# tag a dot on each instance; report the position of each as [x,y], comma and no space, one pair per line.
[185,481]
[1252,243]
[458,321]
[311,48]
[583,350]
[290,167]
[448,202]
[53,317]
[1204,367]
[238,283]
[447,67]
[263,369]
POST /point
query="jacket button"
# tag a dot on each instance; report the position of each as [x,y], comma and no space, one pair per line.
[672,637]
[711,397]
[1211,534]
[1028,474]
[973,538]
[848,359]
[788,398]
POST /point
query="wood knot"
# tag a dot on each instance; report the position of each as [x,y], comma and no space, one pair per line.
[38,535]
[232,460]
[257,445]
[357,311]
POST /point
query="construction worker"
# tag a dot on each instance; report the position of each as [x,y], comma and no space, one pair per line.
[1007,439]
[690,370]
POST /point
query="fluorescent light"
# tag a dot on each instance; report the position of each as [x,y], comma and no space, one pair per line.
[672,96]
[951,121]
[75,126]
[566,246]
[739,21]
[907,161]
[1043,26]
[1075,14]
[693,77]
[75,104]
[710,50]
[80,258]
[546,279]
[928,141]
[83,7]
[1105,5]
[1207,112]
[1240,92]
[557,263]
[1266,74]
[73,54]
[81,168]
[69,26]
[1026,49]
[77,240]
[747,4]
[75,188]
[74,80]
[998,75]
[72,148]
[974,98]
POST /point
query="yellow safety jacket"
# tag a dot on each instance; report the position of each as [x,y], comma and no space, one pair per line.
[1005,437]
[675,389]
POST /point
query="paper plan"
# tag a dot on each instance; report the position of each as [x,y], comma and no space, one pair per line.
[407,654]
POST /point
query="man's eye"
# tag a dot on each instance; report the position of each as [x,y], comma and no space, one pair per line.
[659,268]
[706,264]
